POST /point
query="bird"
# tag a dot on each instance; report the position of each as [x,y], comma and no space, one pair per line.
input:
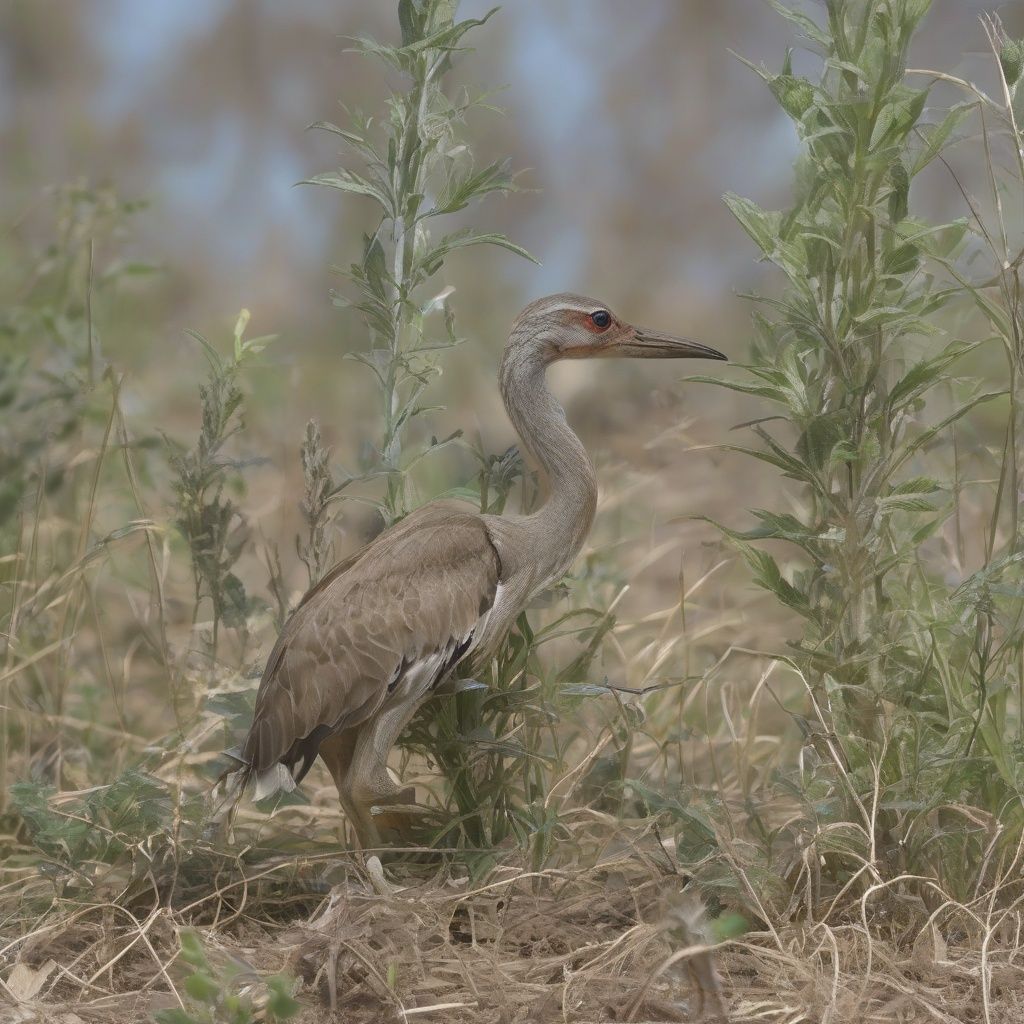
[439,589]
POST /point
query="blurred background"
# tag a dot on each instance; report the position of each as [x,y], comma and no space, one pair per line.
[627,122]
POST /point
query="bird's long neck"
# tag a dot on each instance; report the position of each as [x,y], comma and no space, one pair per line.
[562,523]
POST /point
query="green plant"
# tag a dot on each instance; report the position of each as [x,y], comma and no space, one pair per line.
[51,359]
[88,840]
[317,551]
[210,522]
[229,992]
[418,172]
[896,662]
[59,401]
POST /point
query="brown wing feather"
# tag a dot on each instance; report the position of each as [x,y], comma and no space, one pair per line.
[408,594]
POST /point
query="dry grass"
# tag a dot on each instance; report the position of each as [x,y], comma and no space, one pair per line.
[619,940]
[610,929]
[615,931]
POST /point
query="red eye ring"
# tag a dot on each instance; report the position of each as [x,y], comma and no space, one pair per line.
[601,319]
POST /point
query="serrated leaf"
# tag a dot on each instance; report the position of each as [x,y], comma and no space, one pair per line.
[447,38]
[790,466]
[780,526]
[768,575]
[818,439]
[743,387]
[905,503]
[918,485]
[346,134]
[925,437]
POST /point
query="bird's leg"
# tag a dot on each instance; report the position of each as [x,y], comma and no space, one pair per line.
[336,752]
[368,783]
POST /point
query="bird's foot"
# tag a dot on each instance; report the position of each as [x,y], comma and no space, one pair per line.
[395,816]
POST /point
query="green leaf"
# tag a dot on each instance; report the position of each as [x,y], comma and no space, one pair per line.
[905,503]
[844,65]
[790,466]
[810,28]
[761,225]
[213,357]
[768,575]
[375,269]
[174,1016]
[411,21]
[202,987]
[765,569]
[192,951]
[914,11]
[468,237]
[447,38]
[928,435]
[918,485]
[897,117]
[768,391]
[925,375]
[281,1003]
[348,181]
[459,191]
[899,181]
[819,437]
[346,134]
[938,135]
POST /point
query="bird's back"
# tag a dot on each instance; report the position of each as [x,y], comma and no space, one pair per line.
[411,601]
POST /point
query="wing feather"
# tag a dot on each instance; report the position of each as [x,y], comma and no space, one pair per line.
[416,592]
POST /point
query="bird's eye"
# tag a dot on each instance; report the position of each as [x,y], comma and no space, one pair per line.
[602,318]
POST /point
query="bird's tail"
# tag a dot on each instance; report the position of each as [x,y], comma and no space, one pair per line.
[231,785]
[225,795]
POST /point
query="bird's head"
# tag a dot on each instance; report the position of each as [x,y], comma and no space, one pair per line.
[568,326]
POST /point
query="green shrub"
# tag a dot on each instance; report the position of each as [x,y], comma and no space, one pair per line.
[910,754]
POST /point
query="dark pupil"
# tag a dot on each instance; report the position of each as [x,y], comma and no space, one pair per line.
[601,318]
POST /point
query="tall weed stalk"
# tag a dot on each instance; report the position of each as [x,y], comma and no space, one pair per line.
[856,363]
[416,168]
[206,517]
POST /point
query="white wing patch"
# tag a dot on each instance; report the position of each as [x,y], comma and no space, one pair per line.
[275,779]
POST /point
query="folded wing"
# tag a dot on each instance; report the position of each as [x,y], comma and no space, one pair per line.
[399,614]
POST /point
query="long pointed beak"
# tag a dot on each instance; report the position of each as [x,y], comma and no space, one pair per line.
[648,344]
